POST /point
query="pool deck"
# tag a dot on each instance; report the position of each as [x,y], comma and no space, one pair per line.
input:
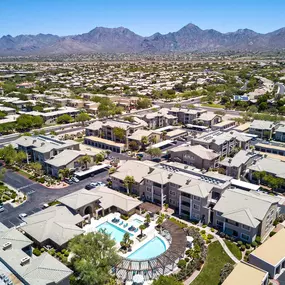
[151,232]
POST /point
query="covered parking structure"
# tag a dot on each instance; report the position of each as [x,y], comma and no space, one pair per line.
[163,264]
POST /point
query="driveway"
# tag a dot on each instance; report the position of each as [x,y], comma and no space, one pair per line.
[37,195]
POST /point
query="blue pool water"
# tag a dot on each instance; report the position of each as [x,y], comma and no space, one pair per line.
[152,248]
[115,232]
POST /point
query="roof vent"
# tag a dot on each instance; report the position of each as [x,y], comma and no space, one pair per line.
[188,181]
[169,175]
[7,245]
[25,260]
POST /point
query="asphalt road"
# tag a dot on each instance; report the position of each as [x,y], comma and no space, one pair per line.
[37,195]
[281,88]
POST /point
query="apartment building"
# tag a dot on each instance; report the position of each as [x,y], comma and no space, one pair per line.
[223,143]
[41,148]
[159,119]
[185,116]
[270,256]
[245,215]
[263,129]
[208,119]
[237,165]
[280,133]
[196,155]
[105,129]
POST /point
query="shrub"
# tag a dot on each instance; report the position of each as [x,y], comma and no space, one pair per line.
[239,243]
[247,252]
[66,253]
[36,252]
[181,263]
[203,232]
[272,234]
[212,230]
[204,226]
[209,236]
[208,241]
[254,244]
[222,235]
[42,249]
[187,259]
[247,246]
[242,248]
[275,223]
[258,239]
[123,217]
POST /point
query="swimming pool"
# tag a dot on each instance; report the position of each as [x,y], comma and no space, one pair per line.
[115,232]
[152,248]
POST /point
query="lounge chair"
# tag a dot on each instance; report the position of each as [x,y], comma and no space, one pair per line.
[121,223]
[136,229]
[125,225]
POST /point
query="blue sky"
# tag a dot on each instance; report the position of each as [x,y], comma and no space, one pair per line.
[144,17]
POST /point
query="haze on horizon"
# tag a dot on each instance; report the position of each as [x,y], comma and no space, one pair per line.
[70,17]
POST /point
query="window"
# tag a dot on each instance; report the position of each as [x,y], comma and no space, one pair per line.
[232,222]
[185,203]
[196,198]
[220,223]
[196,216]
[172,202]
[244,237]
[148,189]
[246,227]
[196,207]
[186,195]
[172,193]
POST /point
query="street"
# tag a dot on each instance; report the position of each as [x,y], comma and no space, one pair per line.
[37,195]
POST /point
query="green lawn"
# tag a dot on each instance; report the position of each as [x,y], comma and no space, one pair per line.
[213,105]
[216,259]
[234,249]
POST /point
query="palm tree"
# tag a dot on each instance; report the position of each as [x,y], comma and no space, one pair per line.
[154,140]
[64,173]
[164,135]
[147,219]
[159,221]
[128,182]
[126,241]
[85,160]
[144,141]
[142,227]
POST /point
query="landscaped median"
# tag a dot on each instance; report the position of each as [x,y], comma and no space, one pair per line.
[216,259]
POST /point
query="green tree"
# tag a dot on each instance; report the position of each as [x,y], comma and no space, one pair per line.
[119,133]
[142,228]
[94,256]
[126,241]
[8,154]
[64,119]
[166,280]
[2,173]
[20,157]
[147,219]
[64,173]
[154,152]
[85,159]
[2,115]
[82,117]
[133,145]
[99,157]
[225,272]
[129,181]
[144,103]
[36,167]
[144,142]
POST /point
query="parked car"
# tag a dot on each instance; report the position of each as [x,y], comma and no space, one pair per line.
[89,186]
[74,179]
[99,183]
[23,215]
[2,209]
[45,206]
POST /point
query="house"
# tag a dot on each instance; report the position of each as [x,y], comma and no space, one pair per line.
[176,134]
[68,159]
[245,273]
[196,155]
[54,226]
[21,267]
[263,129]
[237,165]
[270,256]
[245,215]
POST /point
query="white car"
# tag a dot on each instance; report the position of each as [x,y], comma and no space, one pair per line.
[23,215]
[75,179]
[2,209]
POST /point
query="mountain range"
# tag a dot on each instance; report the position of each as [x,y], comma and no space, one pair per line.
[190,38]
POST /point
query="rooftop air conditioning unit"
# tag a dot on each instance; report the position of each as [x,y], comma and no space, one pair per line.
[7,245]
[25,260]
